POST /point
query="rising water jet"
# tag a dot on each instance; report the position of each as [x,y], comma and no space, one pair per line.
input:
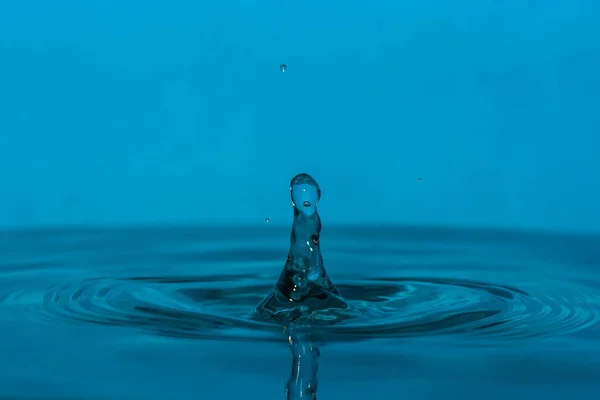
[303,286]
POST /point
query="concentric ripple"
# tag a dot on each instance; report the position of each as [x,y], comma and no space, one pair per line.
[116,278]
[217,307]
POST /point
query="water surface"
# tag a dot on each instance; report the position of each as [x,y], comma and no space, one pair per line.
[167,312]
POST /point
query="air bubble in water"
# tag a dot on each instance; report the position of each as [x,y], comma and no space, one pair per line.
[267,220]
[283,67]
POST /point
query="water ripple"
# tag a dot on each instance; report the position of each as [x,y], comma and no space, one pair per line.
[42,279]
[216,307]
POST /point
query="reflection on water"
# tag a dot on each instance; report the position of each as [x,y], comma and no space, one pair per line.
[155,313]
[302,383]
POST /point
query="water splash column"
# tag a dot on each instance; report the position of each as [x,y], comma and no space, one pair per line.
[304,269]
[302,289]
[303,286]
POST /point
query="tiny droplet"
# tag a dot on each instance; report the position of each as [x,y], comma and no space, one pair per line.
[267,220]
[283,67]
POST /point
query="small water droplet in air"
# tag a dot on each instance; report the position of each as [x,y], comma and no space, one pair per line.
[283,67]
[267,220]
[418,179]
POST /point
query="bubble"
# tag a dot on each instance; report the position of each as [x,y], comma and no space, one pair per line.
[283,67]
[418,179]
[267,220]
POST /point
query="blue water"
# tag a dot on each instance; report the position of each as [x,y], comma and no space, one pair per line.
[417,113]
[166,312]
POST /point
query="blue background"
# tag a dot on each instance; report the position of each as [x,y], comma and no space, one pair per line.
[144,112]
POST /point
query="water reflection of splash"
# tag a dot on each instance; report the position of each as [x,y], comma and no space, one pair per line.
[303,381]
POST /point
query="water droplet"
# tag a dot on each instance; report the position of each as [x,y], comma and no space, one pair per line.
[267,220]
[283,67]
[305,193]
[418,179]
